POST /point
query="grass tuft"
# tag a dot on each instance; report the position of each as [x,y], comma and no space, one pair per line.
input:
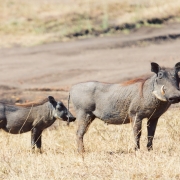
[109,153]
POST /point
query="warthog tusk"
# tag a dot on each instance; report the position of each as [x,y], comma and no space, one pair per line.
[159,96]
[162,90]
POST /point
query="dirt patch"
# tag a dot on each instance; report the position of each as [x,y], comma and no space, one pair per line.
[51,69]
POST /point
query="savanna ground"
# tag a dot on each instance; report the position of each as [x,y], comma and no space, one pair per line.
[29,73]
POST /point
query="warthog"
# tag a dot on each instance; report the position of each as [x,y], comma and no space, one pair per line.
[128,102]
[34,117]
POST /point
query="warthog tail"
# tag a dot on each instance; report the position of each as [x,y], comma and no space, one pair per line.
[68,109]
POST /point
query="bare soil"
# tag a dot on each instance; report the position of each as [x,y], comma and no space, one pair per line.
[51,69]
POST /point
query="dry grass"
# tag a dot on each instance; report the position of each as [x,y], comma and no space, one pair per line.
[109,153]
[24,22]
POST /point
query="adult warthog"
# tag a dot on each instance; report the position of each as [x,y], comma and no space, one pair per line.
[34,117]
[131,101]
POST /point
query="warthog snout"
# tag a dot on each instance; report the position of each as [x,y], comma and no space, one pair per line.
[67,117]
[71,117]
[174,99]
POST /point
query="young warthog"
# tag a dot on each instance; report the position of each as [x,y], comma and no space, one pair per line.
[34,117]
[131,101]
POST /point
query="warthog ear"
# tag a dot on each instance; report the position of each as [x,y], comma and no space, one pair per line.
[177,67]
[51,99]
[155,67]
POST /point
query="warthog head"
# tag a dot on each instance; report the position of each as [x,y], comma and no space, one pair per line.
[166,85]
[60,111]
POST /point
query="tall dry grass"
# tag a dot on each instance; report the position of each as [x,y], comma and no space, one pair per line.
[24,22]
[109,153]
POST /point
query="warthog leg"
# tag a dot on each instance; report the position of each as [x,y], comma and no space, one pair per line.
[137,128]
[84,121]
[151,127]
[36,139]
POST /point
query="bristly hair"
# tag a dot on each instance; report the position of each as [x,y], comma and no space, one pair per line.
[33,103]
[140,80]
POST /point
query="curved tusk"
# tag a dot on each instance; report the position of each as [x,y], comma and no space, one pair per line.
[162,90]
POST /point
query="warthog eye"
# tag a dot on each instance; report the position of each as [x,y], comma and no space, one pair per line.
[160,75]
[60,106]
[178,74]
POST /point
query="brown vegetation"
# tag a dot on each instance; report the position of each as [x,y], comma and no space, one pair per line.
[109,153]
[33,22]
